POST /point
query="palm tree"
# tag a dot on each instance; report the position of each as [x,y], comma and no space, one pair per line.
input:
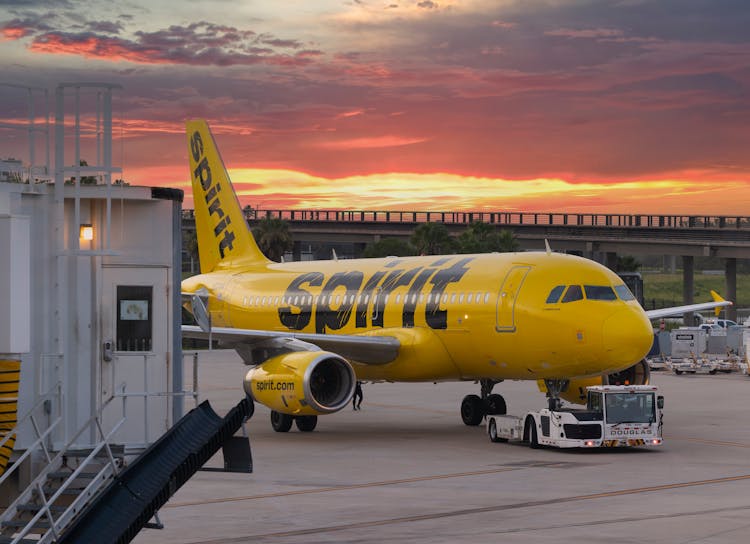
[483,238]
[432,239]
[273,237]
[388,247]
[506,242]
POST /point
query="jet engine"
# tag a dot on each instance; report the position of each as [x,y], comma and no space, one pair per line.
[638,374]
[302,383]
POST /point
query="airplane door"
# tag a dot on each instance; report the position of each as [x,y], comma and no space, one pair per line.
[135,351]
[506,299]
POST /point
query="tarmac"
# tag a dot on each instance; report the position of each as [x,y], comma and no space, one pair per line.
[406,469]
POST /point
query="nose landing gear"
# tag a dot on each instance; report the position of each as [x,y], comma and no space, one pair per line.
[474,407]
[554,388]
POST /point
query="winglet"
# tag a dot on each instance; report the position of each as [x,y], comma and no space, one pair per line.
[717,298]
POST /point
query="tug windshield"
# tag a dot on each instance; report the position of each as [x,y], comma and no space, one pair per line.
[630,408]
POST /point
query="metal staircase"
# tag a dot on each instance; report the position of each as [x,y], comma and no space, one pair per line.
[70,480]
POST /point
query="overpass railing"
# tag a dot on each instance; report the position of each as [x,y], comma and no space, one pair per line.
[505,218]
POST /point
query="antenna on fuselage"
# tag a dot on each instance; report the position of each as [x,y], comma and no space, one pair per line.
[333,255]
[546,245]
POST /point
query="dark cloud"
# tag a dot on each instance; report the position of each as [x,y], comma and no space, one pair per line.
[104,26]
[200,43]
[427,4]
[276,42]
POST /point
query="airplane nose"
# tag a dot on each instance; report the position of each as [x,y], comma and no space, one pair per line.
[627,336]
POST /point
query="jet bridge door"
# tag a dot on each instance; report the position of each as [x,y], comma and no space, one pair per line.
[507,297]
[135,351]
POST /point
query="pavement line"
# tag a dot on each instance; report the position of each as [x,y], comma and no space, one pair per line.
[709,442]
[352,486]
[479,510]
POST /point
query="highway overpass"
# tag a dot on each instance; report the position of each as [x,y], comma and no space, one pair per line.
[601,236]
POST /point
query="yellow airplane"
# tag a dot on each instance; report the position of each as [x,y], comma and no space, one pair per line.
[311,329]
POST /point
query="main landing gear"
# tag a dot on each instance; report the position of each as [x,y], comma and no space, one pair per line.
[474,408]
[281,423]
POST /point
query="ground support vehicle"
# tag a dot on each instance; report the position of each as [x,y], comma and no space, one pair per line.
[614,416]
[657,362]
[693,365]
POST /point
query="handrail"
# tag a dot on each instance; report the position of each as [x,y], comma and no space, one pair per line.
[30,411]
[41,477]
[41,437]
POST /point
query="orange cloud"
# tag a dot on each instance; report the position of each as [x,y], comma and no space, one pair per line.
[450,192]
[370,143]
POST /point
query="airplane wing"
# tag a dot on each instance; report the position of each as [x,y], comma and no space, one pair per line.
[717,304]
[374,350]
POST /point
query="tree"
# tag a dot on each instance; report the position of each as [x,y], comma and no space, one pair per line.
[389,247]
[483,238]
[273,237]
[627,263]
[190,245]
[85,180]
[432,239]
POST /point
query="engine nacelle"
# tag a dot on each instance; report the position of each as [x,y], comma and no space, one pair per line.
[302,383]
[638,374]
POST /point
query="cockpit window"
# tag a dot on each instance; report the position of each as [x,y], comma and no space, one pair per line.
[573,293]
[623,292]
[554,295]
[599,292]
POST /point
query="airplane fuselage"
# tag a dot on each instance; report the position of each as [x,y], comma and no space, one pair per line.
[458,317]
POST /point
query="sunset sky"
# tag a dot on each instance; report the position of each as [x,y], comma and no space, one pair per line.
[627,106]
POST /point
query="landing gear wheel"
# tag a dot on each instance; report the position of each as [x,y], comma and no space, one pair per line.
[281,423]
[531,433]
[678,372]
[472,410]
[306,424]
[496,405]
[712,371]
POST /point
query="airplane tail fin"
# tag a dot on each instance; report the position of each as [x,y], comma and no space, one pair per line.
[717,298]
[224,239]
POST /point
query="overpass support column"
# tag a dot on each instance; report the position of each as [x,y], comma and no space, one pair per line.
[730,276]
[297,251]
[610,260]
[688,288]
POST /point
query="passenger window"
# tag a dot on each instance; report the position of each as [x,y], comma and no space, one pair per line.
[486,298]
[461,298]
[623,292]
[554,295]
[573,293]
[599,292]
[469,298]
